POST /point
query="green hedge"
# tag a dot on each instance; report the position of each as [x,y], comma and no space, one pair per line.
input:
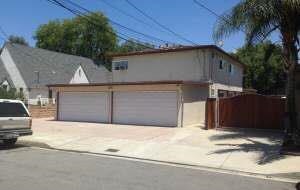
[12,93]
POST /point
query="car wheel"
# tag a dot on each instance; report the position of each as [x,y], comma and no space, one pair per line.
[10,142]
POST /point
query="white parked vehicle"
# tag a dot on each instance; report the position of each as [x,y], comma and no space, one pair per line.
[15,121]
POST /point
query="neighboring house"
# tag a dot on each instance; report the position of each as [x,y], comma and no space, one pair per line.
[5,80]
[164,87]
[30,69]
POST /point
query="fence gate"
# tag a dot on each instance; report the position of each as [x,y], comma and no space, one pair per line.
[249,111]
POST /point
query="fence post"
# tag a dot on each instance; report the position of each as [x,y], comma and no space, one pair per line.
[210,113]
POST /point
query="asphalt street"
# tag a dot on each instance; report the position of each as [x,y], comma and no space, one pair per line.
[36,169]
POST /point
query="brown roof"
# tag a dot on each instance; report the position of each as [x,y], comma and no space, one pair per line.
[177,49]
[131,83]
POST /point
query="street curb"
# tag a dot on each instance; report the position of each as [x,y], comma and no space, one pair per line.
[170,163]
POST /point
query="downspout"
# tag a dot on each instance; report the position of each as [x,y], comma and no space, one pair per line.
[211,64]
[181,103]
[111,105]
[57,105]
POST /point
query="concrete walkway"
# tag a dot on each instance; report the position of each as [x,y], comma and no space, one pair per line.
[248,151]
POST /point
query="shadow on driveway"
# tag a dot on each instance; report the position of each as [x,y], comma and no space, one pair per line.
[266,143]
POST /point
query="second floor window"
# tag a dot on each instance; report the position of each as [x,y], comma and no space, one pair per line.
[120,65]
[230,68]
[221,64]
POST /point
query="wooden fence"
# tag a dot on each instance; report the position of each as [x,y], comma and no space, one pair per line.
[210,113]
[248,111]
[47,111]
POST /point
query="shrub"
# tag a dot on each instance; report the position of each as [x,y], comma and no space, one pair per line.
[12,93]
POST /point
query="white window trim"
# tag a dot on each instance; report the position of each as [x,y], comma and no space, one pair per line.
[114,62]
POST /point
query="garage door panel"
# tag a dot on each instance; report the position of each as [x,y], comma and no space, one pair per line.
[84,106]
[145,108]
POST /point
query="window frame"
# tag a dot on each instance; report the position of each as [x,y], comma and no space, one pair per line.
[231,68]
[221,64]
[118,65]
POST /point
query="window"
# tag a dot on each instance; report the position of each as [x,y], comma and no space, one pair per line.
[120,65]
[230,68]
[21,89]
[221,64]
[4,87]
[79,72]
[222,93]
[12,110]
[50,94]
[212,92]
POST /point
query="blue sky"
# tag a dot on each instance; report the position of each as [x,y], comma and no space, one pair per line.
[183,16]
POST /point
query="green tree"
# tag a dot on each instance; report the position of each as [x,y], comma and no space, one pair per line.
[17,40]
[90,36]
[264,71]
[133,45]
[259,19]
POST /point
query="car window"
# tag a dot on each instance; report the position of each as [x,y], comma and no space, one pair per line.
[12,110]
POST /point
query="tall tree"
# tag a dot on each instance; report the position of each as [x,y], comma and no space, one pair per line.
[264,71]
[132,45]
[17,40]
[90,36]
[259,19]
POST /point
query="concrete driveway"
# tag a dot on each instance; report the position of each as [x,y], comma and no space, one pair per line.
[243,150]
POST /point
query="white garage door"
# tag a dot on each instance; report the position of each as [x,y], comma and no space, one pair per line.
[84,106]
[145,108]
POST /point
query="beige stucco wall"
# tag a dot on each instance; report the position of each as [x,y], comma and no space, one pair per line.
[187,66]
[194,101]
[223,76]
[192,65]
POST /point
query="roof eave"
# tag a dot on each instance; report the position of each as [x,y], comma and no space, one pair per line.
[188,48]
[131,83]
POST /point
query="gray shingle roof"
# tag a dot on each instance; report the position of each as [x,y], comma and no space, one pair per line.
[4,74]
[53,67]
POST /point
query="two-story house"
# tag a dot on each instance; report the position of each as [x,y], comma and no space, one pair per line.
[164,87]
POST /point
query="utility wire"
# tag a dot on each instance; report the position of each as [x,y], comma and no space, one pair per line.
[4,33]
[80,14]
[209,10]
[217,15]
[131,16]
[118,24]
[159,24]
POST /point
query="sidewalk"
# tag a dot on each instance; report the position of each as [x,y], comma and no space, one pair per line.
[247,151]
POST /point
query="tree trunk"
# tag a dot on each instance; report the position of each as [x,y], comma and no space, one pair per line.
[293,132]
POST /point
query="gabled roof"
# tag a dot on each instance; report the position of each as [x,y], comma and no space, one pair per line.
[53,67]
[4,75]
[177,49]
